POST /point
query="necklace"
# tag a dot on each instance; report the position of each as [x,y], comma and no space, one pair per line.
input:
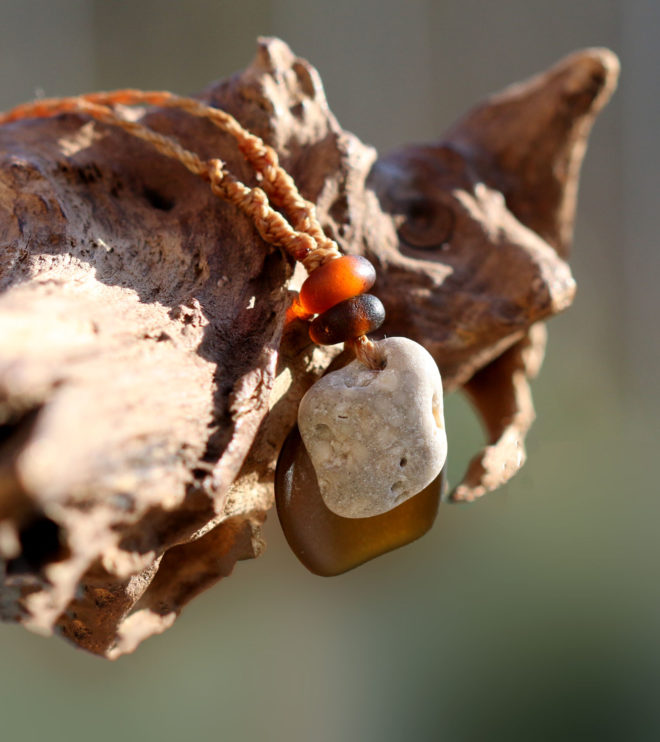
[361,472]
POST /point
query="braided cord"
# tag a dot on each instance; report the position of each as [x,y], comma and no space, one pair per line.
[302,236]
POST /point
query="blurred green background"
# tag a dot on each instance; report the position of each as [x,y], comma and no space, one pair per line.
[531,615]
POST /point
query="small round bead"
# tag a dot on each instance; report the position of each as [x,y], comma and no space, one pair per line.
[347,320]
[335,281]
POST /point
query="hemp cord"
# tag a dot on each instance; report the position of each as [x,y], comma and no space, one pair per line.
[302,236]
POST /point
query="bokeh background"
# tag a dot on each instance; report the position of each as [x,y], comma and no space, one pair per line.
[531,615]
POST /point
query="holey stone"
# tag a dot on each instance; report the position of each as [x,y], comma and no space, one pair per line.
[376,438]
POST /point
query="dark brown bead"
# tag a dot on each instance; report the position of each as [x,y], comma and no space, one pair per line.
[335,281]
[328,544]
[347,320]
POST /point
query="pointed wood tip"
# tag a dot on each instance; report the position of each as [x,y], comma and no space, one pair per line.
[529,140]
[596,56]
[593,70]
[591,74]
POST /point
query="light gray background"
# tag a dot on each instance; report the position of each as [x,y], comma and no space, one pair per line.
[532,615]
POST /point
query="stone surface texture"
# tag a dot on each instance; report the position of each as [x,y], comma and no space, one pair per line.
[376,437]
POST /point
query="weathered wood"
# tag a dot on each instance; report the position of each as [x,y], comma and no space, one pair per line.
[147,379]
[485,222]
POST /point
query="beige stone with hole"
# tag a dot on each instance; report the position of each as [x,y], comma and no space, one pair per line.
[376,437]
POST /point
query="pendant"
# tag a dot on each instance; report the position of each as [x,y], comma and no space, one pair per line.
[362,472]
[376,436]
[329,544]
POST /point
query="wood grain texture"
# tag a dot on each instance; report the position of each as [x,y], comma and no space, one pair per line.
[147,379]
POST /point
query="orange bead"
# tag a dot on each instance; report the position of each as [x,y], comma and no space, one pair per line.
[347,320]
[328,544]
[335,281]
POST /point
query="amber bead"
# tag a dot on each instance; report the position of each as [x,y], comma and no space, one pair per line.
[335,281]
[347,320]
[328,544]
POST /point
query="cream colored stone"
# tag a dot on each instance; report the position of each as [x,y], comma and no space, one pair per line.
[376,438]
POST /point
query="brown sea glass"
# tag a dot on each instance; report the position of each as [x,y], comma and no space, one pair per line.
[328,544]
[349,319]
[335,281]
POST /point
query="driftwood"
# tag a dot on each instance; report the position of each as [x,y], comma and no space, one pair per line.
[147,378]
